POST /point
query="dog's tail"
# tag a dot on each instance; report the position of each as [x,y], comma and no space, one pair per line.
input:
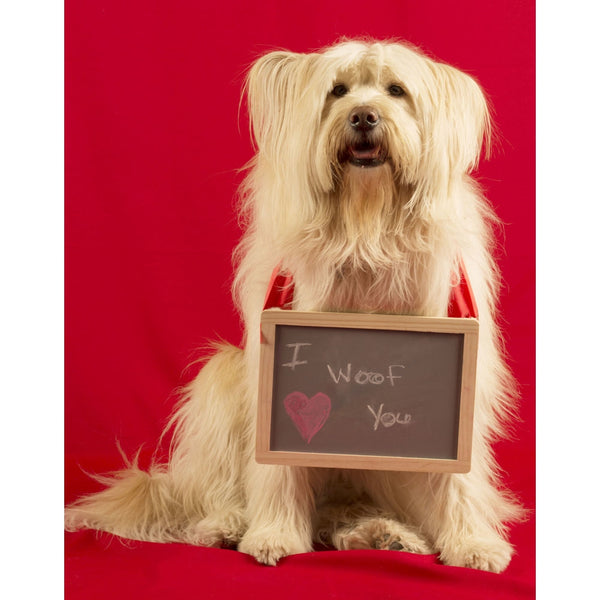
[135,504]
[198,495]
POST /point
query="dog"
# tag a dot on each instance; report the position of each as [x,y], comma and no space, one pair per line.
[360,188]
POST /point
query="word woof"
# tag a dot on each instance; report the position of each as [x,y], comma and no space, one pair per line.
[349,374]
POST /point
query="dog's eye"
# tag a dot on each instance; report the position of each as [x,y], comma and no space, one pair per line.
[339,90]
[396,90]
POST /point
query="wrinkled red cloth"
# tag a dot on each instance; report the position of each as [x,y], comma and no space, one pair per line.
[100,568]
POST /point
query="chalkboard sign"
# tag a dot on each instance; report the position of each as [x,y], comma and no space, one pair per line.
[366,391]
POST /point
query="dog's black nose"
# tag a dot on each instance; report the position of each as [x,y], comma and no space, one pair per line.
[363,118]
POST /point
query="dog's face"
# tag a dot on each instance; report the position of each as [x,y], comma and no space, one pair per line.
[370,119]
[365,107]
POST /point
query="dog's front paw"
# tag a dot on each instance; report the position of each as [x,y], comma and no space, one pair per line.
[268,548]
[485,555]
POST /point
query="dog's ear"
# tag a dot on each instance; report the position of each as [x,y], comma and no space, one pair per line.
[460,120]
[273,86]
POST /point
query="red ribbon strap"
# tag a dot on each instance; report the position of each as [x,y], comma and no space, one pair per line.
[462,300]
[280,293]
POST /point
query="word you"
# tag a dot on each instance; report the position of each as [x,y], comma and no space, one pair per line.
[388,419]
[349,374]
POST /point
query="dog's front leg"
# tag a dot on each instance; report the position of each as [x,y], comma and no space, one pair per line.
[462,515]
[468,522]
[281,506]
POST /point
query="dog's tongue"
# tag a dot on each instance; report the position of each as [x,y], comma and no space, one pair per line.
[365,152]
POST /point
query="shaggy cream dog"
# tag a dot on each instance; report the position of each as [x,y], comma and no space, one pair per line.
[360,188]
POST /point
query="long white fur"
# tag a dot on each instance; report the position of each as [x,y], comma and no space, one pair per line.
[380,239]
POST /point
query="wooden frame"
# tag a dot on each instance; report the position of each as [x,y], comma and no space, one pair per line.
[469,328]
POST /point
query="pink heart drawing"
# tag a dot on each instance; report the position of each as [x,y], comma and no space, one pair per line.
[308,414]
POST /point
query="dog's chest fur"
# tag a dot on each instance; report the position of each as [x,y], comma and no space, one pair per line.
[364,250]
[376,276]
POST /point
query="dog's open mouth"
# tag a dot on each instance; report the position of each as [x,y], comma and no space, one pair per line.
[365,154]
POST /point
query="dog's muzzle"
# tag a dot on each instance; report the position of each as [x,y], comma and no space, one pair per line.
[364,147]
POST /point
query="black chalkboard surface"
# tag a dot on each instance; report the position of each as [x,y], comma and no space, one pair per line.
[366,391]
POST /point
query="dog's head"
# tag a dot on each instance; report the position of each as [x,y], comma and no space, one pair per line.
[356,110]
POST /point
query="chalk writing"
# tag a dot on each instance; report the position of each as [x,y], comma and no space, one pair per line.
[362,377]
[295,362]
[388,419]
[387,389]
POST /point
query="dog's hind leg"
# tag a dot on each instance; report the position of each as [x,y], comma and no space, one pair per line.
[360,525]
[210,442]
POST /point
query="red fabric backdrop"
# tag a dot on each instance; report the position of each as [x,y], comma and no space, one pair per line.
[154,138]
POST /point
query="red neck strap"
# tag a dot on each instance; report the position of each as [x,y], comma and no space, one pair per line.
[280,294]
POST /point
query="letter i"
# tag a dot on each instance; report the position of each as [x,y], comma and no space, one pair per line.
[294,362]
